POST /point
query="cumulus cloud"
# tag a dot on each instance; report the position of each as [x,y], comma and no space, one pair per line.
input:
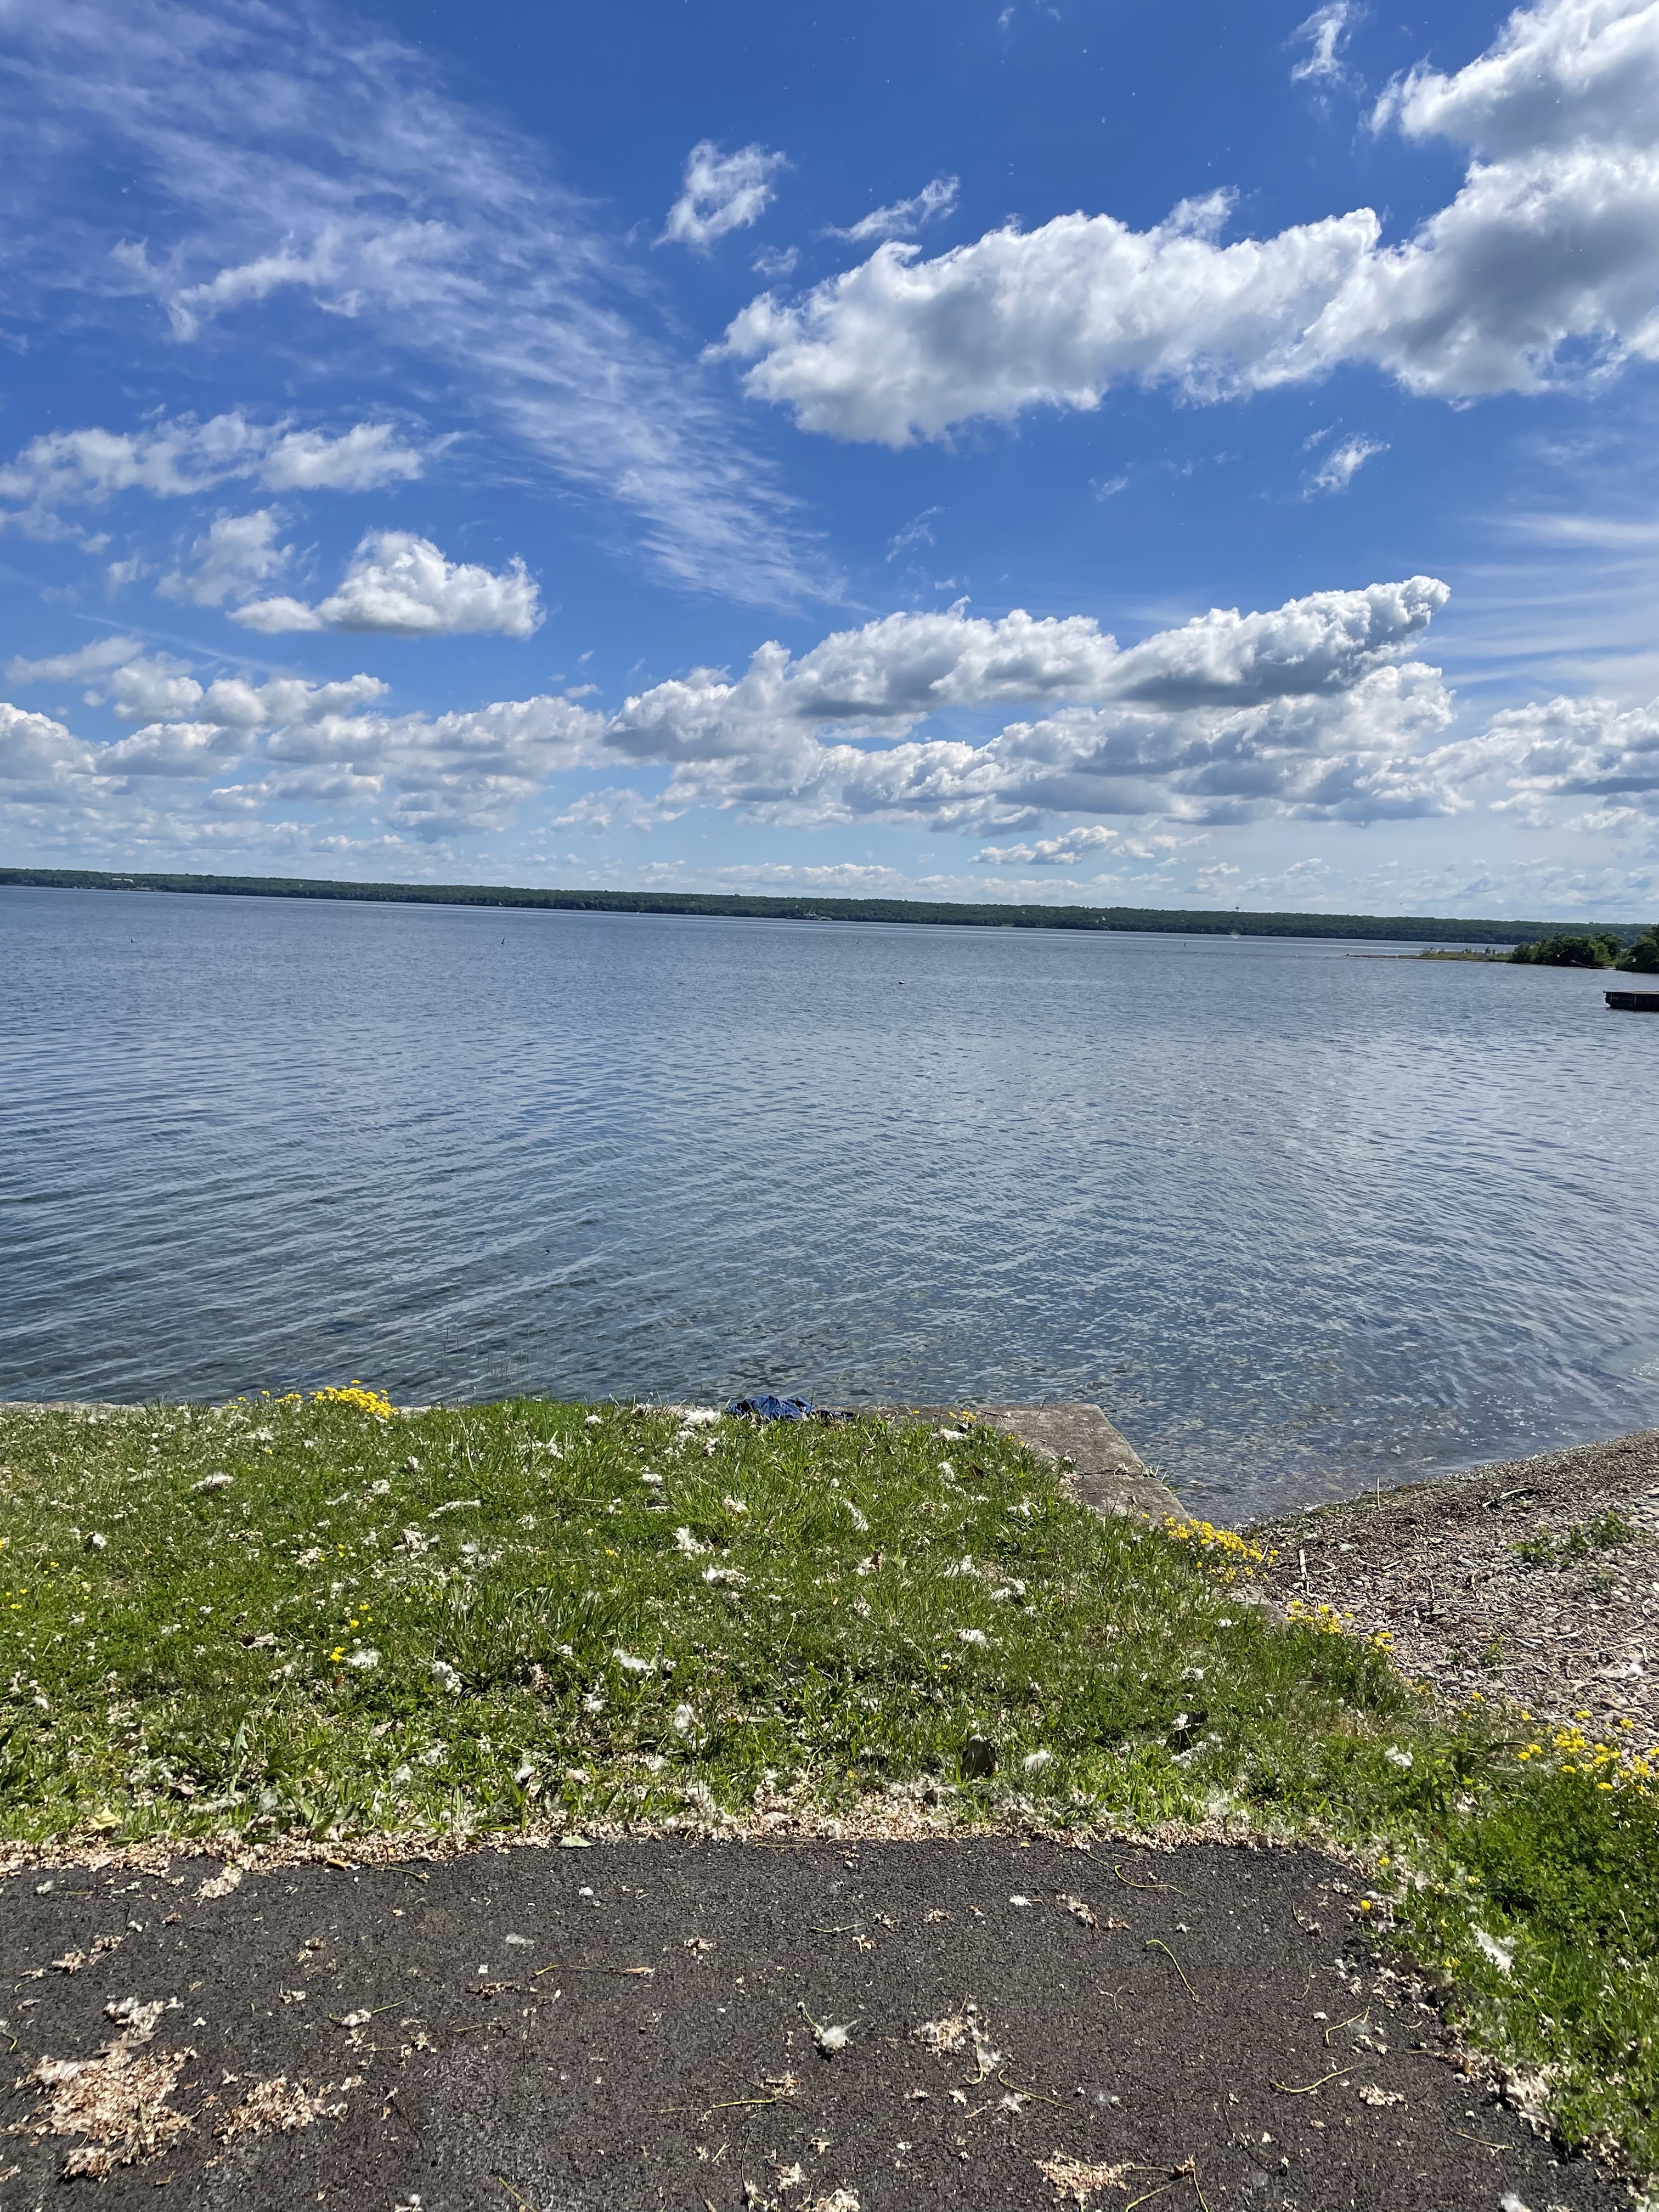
[449,774]
[1325,32]
[40,763]
[1344,462]
[1535,757]
[899,220]
[1317,710]
[177,748]
[435,775]
[239,553]
[900,348]
[1310,709]
[1543,268]
[179,457]
[326,743]
[721,193]
[1563,73]
[160,687]
[402,585]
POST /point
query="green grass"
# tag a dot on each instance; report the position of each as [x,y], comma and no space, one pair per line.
[480,1620]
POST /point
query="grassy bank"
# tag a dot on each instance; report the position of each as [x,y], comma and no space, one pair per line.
[319,1620]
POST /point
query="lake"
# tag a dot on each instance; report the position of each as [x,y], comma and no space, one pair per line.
[1301,1220]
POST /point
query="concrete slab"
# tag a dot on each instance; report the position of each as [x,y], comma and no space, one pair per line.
[1105,1469]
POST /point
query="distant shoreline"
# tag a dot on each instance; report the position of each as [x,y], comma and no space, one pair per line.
[1140,920]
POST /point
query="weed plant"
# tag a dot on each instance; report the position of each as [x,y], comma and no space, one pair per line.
[319,1621]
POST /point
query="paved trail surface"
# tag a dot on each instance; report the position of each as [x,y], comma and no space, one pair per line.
[635,2024]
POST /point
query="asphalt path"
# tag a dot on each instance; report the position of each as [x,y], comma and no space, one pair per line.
[722,2026]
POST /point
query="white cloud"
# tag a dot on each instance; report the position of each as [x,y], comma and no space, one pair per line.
[916,531]
[619,807]
[894,670]
[160,687]
[1344,462]
[1072,847]
[1313,711]
[177,748]
[1309,709]
[450,774]
[721,193]
[402,585]
[319,743]
[1563,73]
[900,348]
[468,769]
[366,457]
[178,457]
[774,262]
[94,659]
[1563,749]
[1543,270]
[239,553]
[413,239]
[934,201]
[1327,32]
[40,763]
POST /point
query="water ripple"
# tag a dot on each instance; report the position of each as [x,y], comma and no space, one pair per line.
[1297,1219]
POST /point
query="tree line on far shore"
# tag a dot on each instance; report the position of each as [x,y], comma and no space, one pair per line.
[1592,951]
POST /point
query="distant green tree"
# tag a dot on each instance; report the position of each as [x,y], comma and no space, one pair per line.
[1564,952]
[1642,959]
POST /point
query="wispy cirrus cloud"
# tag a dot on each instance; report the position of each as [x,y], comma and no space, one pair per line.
[902,217]
[281,154]
[1343,464]
[1325,33]
[721,193]
[95,659]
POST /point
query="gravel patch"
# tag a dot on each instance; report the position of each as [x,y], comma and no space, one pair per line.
[1535,1581]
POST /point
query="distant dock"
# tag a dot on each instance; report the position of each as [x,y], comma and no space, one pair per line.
[1634,1002]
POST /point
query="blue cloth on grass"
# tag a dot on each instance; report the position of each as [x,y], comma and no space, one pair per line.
[769,1408]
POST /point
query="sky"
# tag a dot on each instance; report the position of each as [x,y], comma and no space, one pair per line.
[1034,450]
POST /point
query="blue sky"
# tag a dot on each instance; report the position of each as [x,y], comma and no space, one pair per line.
[1071,452]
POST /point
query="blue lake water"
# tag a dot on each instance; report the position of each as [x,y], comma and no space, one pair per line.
[1299,1220]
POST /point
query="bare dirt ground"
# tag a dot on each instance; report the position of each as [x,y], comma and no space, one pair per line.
[1497,1582]
[977,2023]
